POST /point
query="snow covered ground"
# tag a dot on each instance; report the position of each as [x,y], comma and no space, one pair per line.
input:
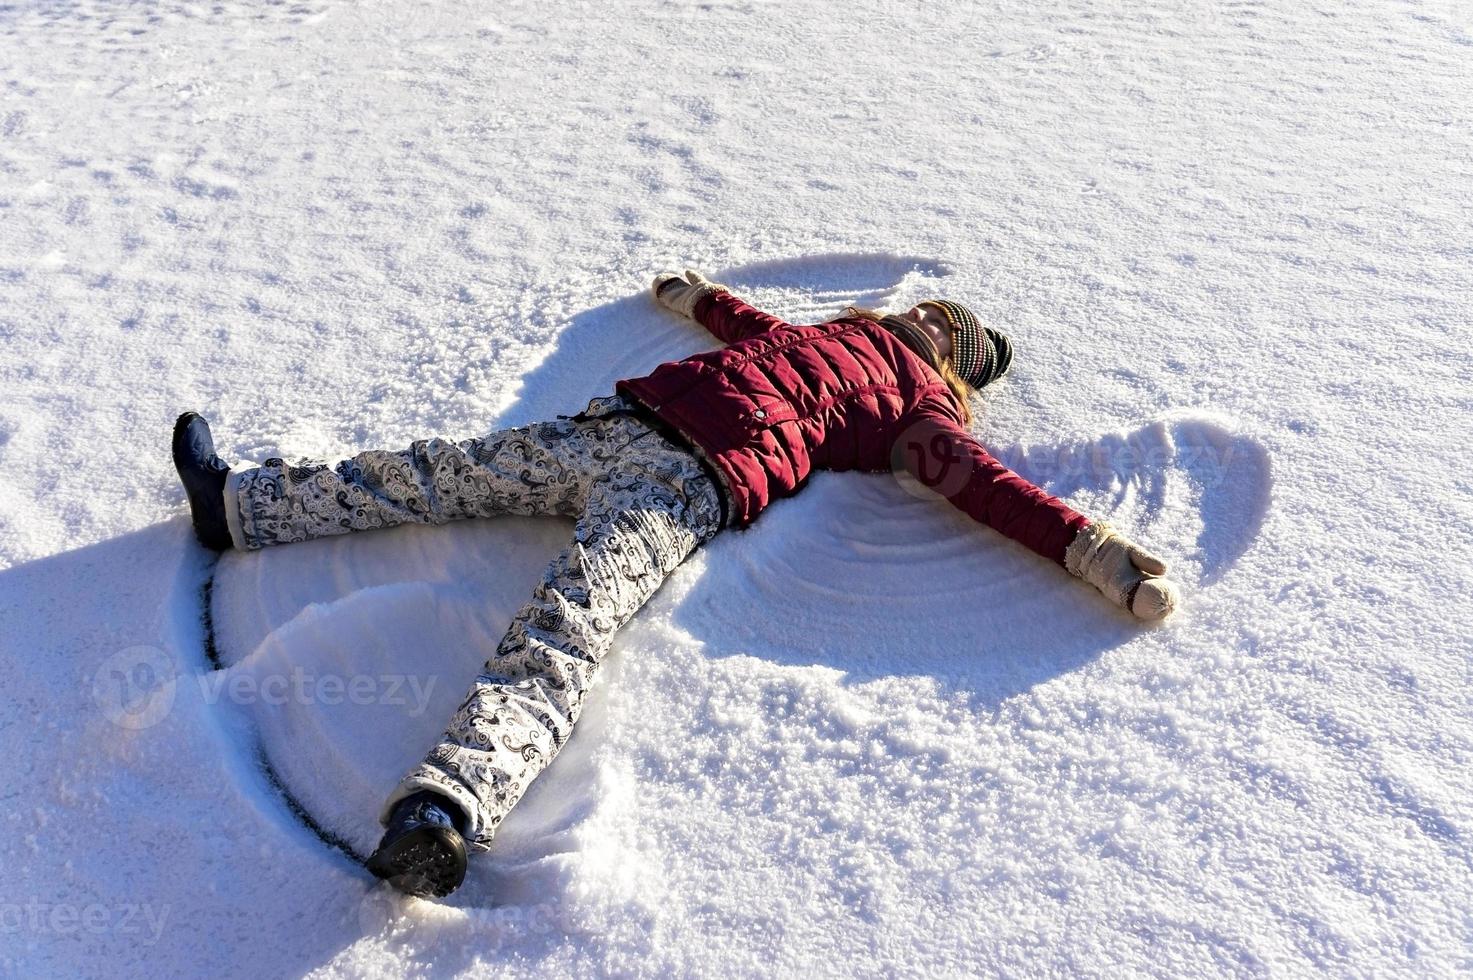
[1232,244]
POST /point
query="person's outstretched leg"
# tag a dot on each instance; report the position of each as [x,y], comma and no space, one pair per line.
[651,508]
[540,469]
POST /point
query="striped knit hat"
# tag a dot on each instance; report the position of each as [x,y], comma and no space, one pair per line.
[981,355]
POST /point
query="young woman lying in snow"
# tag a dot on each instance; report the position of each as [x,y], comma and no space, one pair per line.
[650,473]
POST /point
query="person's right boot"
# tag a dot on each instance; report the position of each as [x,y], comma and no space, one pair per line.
[203,475]
[422,852]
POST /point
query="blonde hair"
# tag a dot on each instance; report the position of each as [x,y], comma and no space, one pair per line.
[959,388]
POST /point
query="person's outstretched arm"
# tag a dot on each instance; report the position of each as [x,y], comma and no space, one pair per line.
[934,448]
[712,305]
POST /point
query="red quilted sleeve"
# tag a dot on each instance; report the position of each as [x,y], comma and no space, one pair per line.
[731,319]
[943,456]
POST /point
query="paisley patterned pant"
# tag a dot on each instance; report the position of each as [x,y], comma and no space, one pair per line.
[643,504]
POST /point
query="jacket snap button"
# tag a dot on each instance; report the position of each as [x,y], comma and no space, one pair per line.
[760,414]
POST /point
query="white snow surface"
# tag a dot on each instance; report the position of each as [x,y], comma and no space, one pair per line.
[1231,242]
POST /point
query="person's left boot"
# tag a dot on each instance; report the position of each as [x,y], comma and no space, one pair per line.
[203,475]
[422,852]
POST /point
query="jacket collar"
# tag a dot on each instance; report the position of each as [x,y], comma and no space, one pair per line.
[914,338]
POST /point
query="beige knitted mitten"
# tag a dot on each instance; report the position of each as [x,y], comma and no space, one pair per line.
[1128,575]
[682,293]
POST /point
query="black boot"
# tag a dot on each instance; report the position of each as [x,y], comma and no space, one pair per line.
[203,476]
[422,852]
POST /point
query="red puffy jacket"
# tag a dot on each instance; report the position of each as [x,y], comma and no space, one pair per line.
[783,400]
